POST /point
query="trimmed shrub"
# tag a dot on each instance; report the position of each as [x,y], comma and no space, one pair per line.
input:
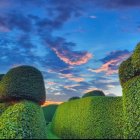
[94,93]
[129,73]
[73,98]
[23,120]
[131,101]
[49,112]
[89,118]
[1,76]
[23,82]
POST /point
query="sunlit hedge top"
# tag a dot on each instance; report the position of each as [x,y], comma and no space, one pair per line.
[23,82]
[94,93]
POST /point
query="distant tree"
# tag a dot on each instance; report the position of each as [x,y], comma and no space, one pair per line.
[111,94]
[94,93]
[73,98]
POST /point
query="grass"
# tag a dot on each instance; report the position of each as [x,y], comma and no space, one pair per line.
[50,134]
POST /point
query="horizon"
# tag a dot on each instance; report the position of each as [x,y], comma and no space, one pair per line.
[77,45]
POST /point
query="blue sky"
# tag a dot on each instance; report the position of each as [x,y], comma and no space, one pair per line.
[77,44]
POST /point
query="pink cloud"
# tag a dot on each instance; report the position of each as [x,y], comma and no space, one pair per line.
[73,58]
[51,83]
[72,78]
[108,66]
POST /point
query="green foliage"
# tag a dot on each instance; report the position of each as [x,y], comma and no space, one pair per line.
[129,73]
[22,120]
[89,118]
[131,101]
[94,93]
[23,82]
[126,71]
[49,112]
[136,58]
[1,76]
[74,98]
[3,107]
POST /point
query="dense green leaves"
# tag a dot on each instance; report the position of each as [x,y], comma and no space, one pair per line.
[89,118]
[22,120]
[94,93]
[23,82]
[49,112]
[129,73]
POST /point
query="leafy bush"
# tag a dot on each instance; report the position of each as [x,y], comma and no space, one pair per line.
[23,82]
[73,98]
[89,118]
[94,93]
[131,99]
[22,120]
[129,73]
[1,76]
[49,112]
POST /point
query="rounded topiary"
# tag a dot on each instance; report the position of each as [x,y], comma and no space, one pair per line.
[73,98]
[23,82]
[94,93]
[136,57]
[126,71]
[1,76]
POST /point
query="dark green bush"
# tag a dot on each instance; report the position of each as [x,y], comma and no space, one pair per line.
[49,112]
[1,76]
[94,93]
[23,120]
[126,71]
[89,118]
[23,82]
[73,98]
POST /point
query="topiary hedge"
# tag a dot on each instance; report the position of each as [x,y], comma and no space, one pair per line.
[89,118]
[94,93]
[22,120]
[49,112]
[23,82]
[129,73]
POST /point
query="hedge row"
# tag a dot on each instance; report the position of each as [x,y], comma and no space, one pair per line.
[49,112]
[89,118]
[129,73]
[23,82]
[131,100]
[22,120]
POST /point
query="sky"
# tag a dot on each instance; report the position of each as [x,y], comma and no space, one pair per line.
[78,45]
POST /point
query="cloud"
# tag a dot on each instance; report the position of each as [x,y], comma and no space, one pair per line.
[111,62]
[14,20]
[72,77]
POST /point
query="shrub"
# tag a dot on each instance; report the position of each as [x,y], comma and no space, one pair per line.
[73,98]
[49,112]
[89,118]
[22,120]
[23,82]
[129,73]
[1,76]
[94,93]
[131,101]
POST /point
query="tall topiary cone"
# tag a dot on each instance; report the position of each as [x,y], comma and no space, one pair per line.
[23,82]
[129,73]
